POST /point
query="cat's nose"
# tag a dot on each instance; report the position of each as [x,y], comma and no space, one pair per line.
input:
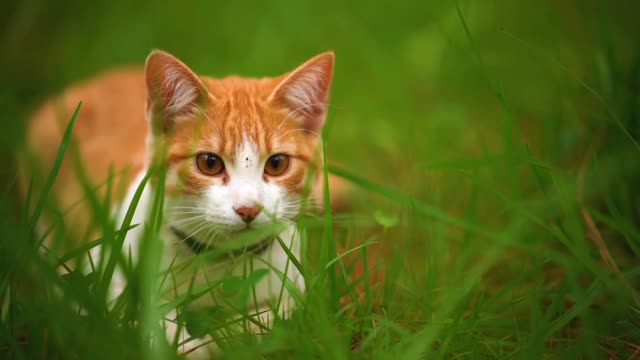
[247,213]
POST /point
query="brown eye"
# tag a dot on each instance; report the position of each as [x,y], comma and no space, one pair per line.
[276,165]
[209,164]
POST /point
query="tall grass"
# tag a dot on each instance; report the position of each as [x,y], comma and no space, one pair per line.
[492,157]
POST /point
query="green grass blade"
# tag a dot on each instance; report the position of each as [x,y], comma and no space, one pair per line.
[57,163]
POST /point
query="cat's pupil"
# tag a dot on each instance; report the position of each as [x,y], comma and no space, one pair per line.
[275,162]
[211,161]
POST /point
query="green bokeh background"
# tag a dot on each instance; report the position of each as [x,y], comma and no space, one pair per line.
[446,102]
[409,86]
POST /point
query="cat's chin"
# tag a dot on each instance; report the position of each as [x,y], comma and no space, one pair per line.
[253,230]
[243,234]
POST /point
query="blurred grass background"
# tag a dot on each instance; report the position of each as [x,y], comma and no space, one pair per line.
[494,146]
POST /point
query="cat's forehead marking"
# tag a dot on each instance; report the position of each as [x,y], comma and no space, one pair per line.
[247,153]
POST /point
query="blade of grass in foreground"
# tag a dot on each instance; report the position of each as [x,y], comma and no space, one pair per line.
[407,200]
[57,163]
[153,334]
[90,245]
[119,240]
[328,230]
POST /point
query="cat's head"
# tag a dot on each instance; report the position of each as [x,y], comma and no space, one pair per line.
[239,149]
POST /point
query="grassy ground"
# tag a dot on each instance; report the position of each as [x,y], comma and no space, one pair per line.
[493,150]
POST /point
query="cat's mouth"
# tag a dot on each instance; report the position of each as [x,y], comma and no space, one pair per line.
[199,247]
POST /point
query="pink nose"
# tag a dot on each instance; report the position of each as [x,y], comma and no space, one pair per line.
[247,213]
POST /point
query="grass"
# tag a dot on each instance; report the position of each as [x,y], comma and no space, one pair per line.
[493,158]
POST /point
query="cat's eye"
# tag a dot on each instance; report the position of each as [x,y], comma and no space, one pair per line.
[276,165]
[209,164]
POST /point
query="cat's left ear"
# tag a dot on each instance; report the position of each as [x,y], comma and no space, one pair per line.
[173,90]
[305,91]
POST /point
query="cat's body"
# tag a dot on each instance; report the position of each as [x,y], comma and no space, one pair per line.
[238,152]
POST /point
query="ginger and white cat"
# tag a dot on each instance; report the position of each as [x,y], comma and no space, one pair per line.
[238,151]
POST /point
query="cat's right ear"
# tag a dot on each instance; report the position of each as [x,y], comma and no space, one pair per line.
[305,91]
[173,91]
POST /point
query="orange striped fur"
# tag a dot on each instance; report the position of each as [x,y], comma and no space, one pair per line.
[214,115]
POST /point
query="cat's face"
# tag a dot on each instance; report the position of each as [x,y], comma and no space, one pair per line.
[239,149]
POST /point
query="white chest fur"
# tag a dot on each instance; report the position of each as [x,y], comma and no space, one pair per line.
[276,290]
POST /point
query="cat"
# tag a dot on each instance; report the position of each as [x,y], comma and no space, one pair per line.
[239,152]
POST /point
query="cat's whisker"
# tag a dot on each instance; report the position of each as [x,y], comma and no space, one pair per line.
[184,215]
[186,211]
[198,235]
[187,214]
[187,201]
[194,234]
[187,222]
[197,225]
[194,226]
[212,234]
[188,208]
